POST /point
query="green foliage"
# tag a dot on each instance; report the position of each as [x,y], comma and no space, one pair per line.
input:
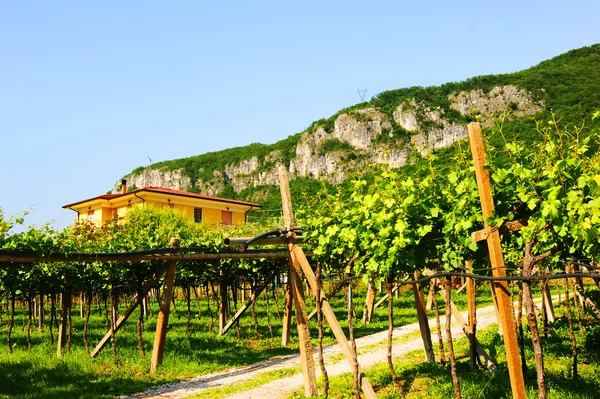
[592,343]
[201,167]
[398,221]
[569,86]
[334,145]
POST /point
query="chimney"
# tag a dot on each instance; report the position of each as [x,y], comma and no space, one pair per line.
[124,186]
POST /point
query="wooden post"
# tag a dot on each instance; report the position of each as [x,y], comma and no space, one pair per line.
[223,305]
[299,259]
[548,301]
[41,313]
[162,320]
[332,320]
[287,315]
[496,307]
[253,297]
[423,322]
[432,285]
[134,304]
[297,292]
[507,321]
[369,304]
[62,327]
[395,291]
[466,328]
[471,315]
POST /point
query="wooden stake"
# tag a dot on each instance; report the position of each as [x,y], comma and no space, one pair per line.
[332,320]
[162,321]
[369,304]
[62,327]
[496,307]
[253,297]
[287,315]
[423,322]
[134,304]
[472,315]
[498,269]
[297,292]
[223,305]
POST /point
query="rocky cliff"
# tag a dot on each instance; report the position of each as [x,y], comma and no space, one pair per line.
[395,127]
[357,137]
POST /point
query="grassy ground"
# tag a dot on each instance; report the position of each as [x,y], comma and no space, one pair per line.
[426,380]
[39,374]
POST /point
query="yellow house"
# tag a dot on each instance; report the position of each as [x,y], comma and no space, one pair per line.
[213,211]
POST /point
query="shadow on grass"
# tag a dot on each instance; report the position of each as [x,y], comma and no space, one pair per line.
[29,379]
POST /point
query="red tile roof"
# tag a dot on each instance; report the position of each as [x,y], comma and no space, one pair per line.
[167,191]
[195,195]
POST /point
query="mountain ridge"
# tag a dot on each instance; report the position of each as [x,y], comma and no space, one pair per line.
[394,127]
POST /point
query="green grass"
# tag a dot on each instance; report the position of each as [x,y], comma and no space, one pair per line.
[38,374]
[426,380]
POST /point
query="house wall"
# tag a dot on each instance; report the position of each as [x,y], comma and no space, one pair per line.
[104,210]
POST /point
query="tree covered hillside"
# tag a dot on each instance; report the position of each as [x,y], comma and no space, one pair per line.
[567,86]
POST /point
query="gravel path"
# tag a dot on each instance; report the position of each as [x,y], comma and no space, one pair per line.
[285,386]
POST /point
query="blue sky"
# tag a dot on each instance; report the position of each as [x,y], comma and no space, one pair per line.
[89,91]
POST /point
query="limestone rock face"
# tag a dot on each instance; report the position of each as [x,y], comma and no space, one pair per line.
[214,185]
[500,99]
[174,179]
[359,130]
[410,115]
[356,133]
[439,138]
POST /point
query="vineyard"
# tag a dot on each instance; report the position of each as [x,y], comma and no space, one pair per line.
[507,220]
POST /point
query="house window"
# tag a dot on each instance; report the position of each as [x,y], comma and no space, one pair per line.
[90,215]
[226,217]
[198,215]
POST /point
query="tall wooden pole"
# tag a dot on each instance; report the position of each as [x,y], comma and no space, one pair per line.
[297,293]
[369,303]
[299,258]
[423,321]
[223,305]
[287,315]
[163,315]
[62,327]
[513,360]
[472,317]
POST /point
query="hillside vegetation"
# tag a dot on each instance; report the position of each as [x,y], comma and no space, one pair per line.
[567,85]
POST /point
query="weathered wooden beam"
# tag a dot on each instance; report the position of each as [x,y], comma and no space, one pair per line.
[62,327]
[496,307]
[162,320]
[547,298]
[243,309]
[385,297]
[369,304]
[472,316]
[460,320]
[231,241]
[134,304]
[423,321]
[11,257]
[288,308]
[337,288]
[223,305]
[506,228]
[539,315]
[332,321]
[507,321]
[297,291]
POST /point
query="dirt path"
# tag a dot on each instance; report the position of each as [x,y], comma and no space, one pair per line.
[285,386]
